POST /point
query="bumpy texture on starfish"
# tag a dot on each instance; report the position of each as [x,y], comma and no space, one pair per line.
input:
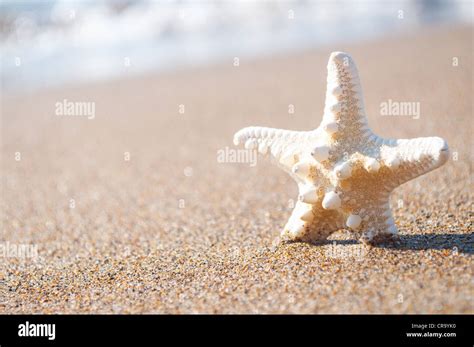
[345,173]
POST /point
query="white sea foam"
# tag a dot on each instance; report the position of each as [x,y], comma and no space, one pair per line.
[52,42]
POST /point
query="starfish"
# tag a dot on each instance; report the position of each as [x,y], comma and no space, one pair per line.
[345,173]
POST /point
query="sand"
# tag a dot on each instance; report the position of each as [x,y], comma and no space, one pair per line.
[172,230]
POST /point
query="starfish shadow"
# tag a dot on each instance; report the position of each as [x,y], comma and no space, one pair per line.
[463,243]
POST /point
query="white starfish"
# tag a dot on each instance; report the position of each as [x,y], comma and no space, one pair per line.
[345,173]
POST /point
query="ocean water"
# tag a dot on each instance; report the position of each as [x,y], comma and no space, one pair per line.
[49,43]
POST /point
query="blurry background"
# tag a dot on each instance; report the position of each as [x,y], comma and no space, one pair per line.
[132,211]
[57,41]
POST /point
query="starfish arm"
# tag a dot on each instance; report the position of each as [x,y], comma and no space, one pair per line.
[378,223]
[310,222]
[408,159]
[283,145]
[344,103]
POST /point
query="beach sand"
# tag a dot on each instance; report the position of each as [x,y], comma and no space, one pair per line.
[172,230]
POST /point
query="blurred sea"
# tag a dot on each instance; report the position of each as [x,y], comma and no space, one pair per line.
[52,42]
